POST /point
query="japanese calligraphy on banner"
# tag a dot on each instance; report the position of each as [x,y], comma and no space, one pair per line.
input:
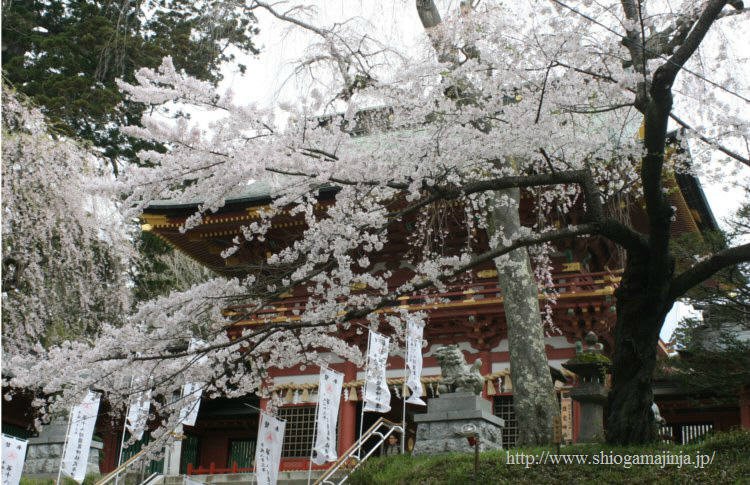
[414,331]
[268,450]
[329,396]
[137,416]
[14,455]
[377,396]
[78,442]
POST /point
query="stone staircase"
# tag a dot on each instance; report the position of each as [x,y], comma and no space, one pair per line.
[285,478]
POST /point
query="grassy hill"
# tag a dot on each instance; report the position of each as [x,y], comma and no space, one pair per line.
[722,459]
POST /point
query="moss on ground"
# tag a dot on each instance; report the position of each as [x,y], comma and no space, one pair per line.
[730,465]
[590,357]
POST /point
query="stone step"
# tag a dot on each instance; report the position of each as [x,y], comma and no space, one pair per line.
[157,480]
[285,478]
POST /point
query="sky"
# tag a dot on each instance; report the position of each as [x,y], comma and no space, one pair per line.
[270,79]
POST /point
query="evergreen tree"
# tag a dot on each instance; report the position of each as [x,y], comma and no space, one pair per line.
[715,350]
[67,55]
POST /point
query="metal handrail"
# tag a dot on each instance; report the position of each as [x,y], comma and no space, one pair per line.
[149,478]
[114,473]
[353,451]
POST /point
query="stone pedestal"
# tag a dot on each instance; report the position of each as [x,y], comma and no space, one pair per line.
[44,452]
[591,393]
[438,430]
[592,397]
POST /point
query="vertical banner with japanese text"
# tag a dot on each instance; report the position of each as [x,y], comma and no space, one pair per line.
[137,416]
[191,397]
[78,443]
[14,456]
[377,396]
[329,397]
[414,331]
[192,391]
[268,450]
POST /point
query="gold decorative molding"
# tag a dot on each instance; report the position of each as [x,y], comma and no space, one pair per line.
[574,266]
[254,212]
[153,220]
[232,261]
[487,273]
[606,291]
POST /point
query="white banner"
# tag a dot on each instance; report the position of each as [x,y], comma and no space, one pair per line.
[268,449]
[14,455]
[78,442]
[191,397]
[414,331]
[377,396]
[329,397]
[191,391]
[137,416]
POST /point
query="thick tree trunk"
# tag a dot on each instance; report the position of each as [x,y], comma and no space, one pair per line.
[640,316]
[533,390]
[534,397]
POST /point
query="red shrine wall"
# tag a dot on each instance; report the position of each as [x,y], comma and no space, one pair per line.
[558,351]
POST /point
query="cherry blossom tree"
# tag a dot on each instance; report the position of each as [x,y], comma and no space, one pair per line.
[545,96]
[64,254]
[534,399]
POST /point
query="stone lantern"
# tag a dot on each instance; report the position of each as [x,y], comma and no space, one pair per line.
[591,367]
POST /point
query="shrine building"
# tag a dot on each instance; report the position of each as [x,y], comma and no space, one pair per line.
[468,313]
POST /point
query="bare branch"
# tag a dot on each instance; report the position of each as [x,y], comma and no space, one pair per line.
[707,268]
[342,61]
[666,73]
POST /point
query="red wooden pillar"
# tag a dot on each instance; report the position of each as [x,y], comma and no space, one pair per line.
[348,413]
[745,407]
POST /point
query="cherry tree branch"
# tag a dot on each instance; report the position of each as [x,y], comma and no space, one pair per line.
[611,229]
[626,40]
[711,142]
[656,110]
[342,62]
[666,73]
[707,268]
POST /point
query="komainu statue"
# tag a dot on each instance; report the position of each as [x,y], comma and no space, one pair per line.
[457,374]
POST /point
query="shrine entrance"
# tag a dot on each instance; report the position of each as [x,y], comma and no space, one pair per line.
[223,440]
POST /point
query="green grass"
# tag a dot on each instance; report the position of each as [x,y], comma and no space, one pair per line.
[89,480]
[730,451]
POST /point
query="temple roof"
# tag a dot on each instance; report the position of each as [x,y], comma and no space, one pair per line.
[253,194]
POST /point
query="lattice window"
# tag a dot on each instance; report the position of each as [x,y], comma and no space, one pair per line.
[241,452]
[17,431]
[298,434]
[504,409]
[190,452]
